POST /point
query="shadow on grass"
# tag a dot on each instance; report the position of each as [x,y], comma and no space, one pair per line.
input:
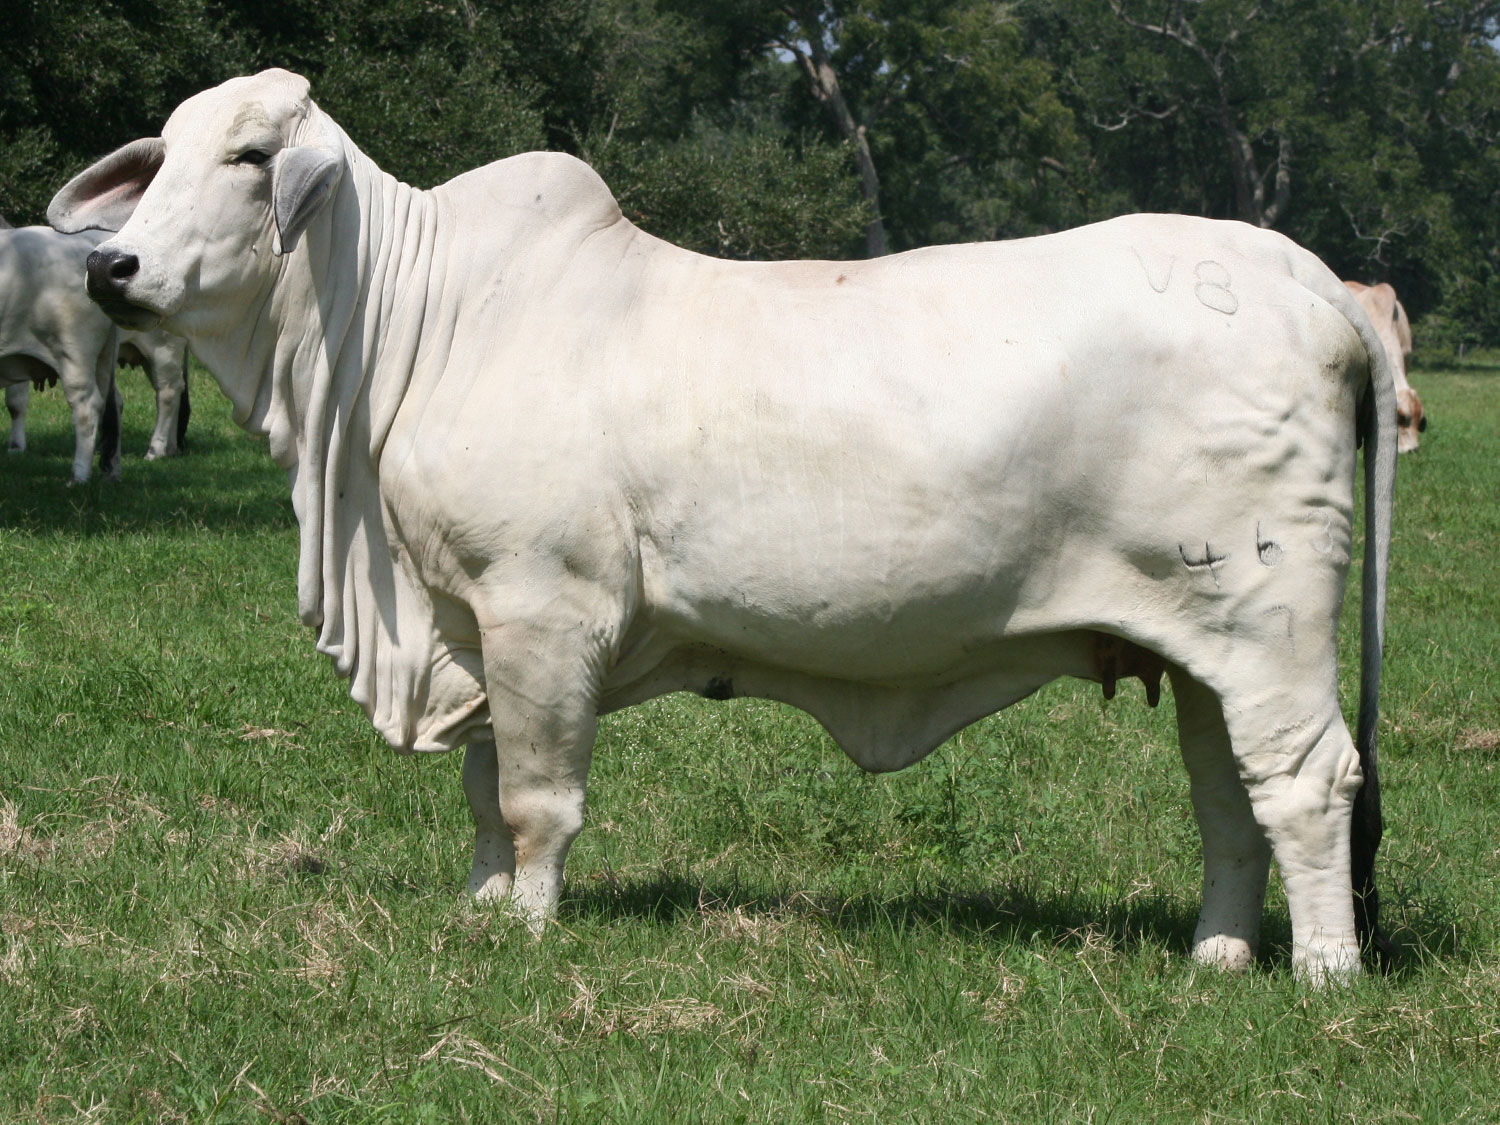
[221,481]
[1422,932]
[1007,914]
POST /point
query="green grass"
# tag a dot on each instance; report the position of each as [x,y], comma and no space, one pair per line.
[221,898]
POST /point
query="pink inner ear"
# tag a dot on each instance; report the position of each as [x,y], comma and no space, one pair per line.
[105,194]
[127,172]
[126,192]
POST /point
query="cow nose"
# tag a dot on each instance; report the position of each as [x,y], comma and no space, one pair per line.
[109,271]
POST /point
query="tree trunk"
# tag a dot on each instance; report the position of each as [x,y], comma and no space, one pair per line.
[823,81]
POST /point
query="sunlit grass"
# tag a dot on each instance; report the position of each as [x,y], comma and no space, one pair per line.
[221,897]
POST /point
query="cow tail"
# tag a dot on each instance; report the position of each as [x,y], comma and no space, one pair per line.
[1377,431]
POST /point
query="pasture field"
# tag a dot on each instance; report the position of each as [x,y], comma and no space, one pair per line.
[223,899]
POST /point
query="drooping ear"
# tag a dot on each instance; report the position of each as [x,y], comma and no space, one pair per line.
[302,180]
[103,196]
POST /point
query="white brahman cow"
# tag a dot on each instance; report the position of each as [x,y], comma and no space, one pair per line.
[546,466]
[51,332]
[1394,329]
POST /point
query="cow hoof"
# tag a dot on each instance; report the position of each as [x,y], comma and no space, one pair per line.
[489,890]
[1326,968]
[1232,955]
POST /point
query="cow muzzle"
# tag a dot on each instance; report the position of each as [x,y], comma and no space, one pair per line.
[108,274]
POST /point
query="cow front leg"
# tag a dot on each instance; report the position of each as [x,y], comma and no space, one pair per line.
[494,864]
[17,397]
[86,403]
[1236,856]
[543,713]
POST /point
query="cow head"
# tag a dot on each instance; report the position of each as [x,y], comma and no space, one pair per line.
[1410,420]
[1388,318]
[205,212]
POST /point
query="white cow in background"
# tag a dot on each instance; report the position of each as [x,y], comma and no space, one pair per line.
[1394,329]
[546,466]
[163,358]
[51,332]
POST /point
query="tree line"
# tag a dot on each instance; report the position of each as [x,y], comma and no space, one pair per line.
[1365,129]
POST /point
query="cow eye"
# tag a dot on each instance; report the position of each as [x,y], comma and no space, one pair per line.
[252,156]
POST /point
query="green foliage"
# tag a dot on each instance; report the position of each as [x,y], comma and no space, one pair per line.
[76,80]
[756,128]
[1382,119]
[966,124]
[736,194]
[222,898]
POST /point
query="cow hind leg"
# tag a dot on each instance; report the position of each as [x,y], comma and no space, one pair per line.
[17,398]
[109,434]
[1301,772]
[1236,855]
[184,412]
[171,407]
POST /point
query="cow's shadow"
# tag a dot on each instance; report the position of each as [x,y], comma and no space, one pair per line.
[1420,931]
[1001,915]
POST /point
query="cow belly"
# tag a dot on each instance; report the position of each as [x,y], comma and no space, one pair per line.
[882,726]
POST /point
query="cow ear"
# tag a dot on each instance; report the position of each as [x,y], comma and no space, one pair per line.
[103,196]
[302,181]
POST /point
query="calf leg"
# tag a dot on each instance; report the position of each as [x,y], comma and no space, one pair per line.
[17,397]
[1236,856]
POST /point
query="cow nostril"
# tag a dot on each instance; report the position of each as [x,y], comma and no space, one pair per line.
[126,265]
[109,271]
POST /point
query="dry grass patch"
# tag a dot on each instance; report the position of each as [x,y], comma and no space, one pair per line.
[757,927]
[90,838]
[456,1047]
[1479,738]
[999,1004]
[18,840]
[588,1014]
[286,859]
[15,961]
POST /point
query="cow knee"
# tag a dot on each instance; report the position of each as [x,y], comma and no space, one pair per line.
[541,821]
